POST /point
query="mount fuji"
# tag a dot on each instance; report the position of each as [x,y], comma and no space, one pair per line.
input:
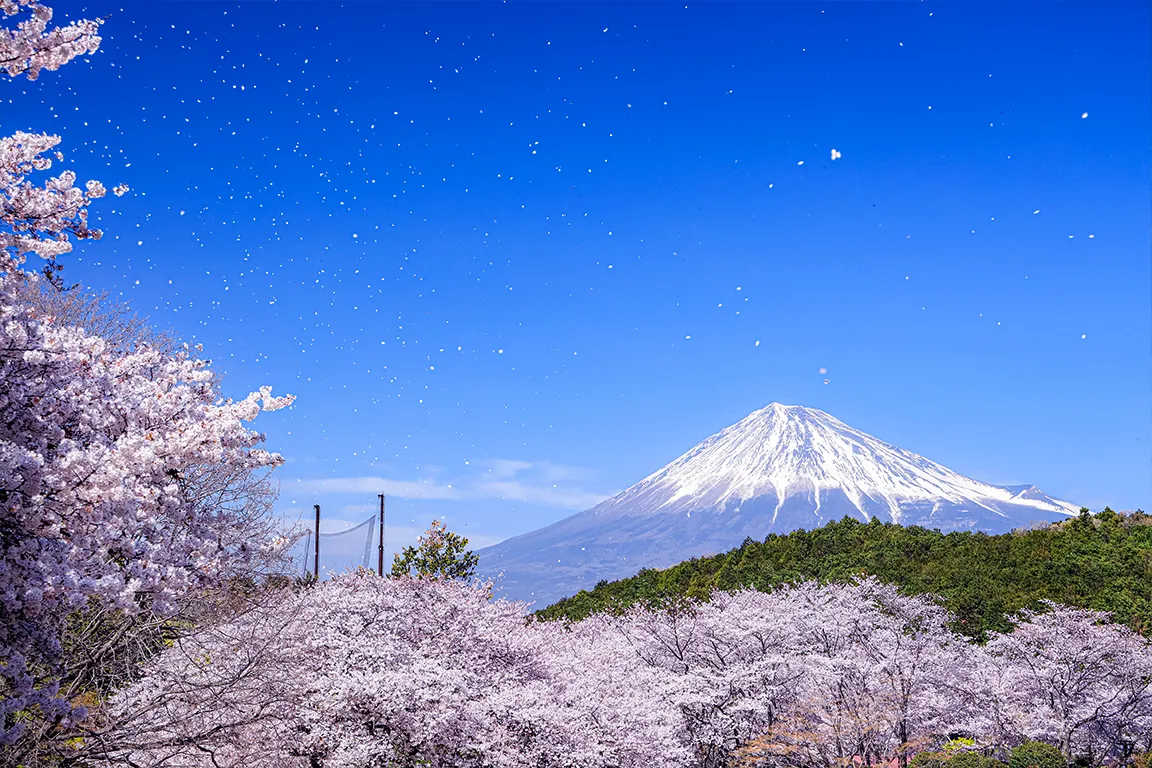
[781,468]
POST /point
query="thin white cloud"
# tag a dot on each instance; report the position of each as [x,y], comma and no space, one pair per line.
[546,495]
[404,489]
[534,482]
[506,468]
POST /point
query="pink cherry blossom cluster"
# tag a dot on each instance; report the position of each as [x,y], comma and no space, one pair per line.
[361,670]
[36,219]
[102,458]
[1067,678]
[30,46]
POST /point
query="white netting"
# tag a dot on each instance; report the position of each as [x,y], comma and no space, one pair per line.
[339,552]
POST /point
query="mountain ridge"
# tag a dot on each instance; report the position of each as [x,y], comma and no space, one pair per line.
[1101,561]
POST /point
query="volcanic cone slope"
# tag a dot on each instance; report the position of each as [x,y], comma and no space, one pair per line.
[781,468]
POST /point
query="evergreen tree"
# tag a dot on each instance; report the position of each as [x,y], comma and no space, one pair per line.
[439,554]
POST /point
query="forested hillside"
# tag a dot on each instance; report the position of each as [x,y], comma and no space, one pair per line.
[1101,561]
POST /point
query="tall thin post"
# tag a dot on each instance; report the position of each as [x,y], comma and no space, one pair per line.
[381,535]
[316,553]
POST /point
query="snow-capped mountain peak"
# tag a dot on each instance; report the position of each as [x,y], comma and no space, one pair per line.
[788,449]
[780,468]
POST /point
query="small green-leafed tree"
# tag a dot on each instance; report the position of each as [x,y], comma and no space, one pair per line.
[954,758]
[1036,754]
[929,760]
[439,554]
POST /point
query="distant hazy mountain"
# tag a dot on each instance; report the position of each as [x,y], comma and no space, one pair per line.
[782,468]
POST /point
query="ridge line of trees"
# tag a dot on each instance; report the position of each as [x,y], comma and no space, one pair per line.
[1101,561]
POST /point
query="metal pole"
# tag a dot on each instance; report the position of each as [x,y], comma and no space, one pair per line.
[381,535]
[316,554]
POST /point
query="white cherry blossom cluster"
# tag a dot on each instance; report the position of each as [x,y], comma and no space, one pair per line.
[31,46]
[101,456]
[40,219]
[1068,677]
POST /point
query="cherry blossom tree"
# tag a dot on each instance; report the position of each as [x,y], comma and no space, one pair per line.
[875,676]
[1069,677]
[225,695]
[99,314]
[923,668]
[109,483]
[724,668]
[612,692]
[102,646]
[127,483]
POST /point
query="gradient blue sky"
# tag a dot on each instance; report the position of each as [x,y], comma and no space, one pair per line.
[513,257]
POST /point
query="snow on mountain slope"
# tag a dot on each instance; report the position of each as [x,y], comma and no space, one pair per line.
[782,468]
[784,450]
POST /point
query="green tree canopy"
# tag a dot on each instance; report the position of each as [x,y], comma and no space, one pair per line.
[1102,562]
[1036,754]
[439,554]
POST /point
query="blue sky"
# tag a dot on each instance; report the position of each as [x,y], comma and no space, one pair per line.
[513,257]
